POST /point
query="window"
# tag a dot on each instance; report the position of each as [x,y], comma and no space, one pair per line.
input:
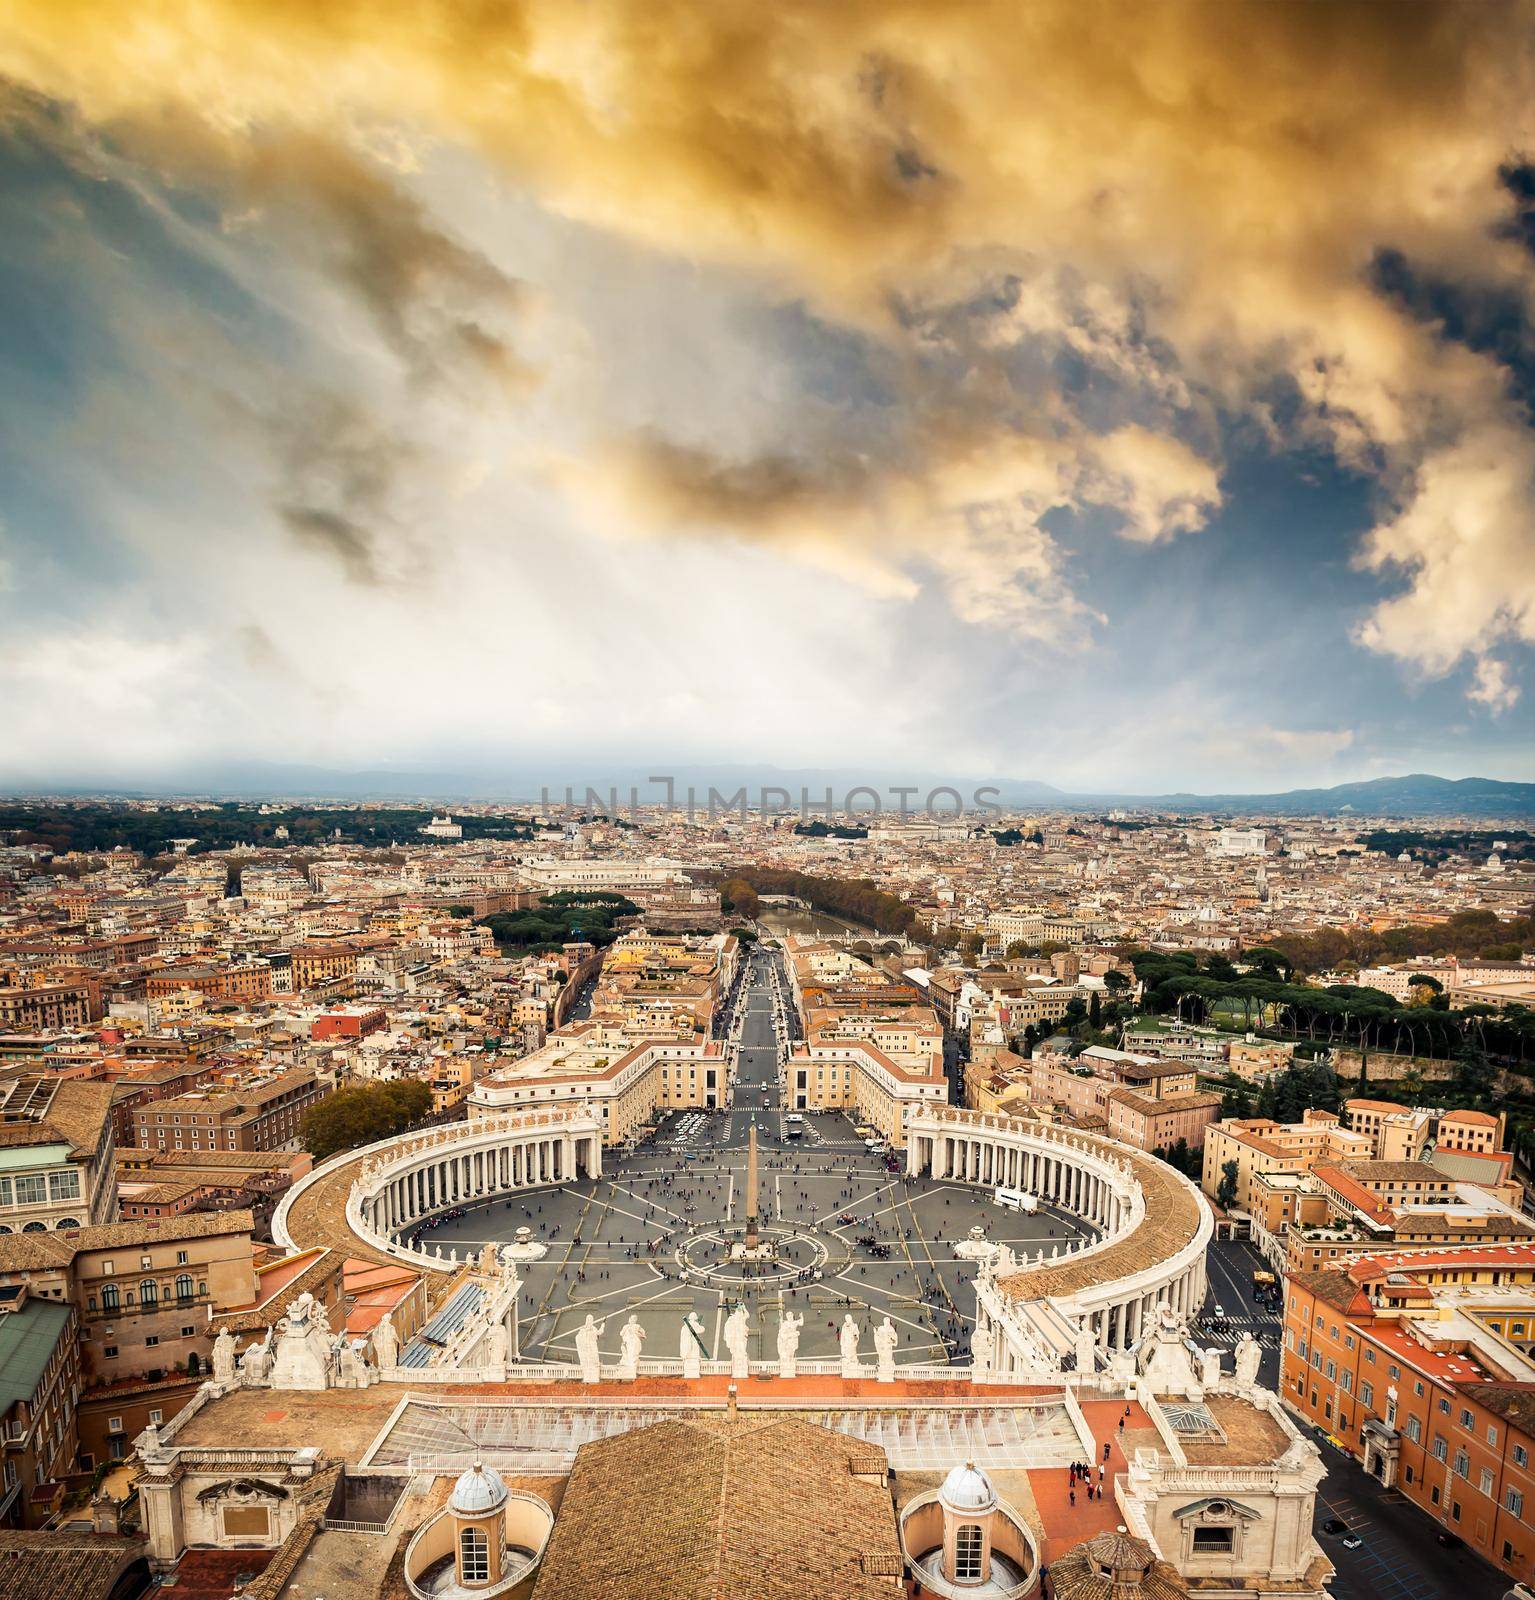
[1369,1355]
[149,1292]
[114,1424]
[1485,1481]
[1492,1433]
[183,1285]
[156,1417]
[64,1185]
[967,1553]
[1441,1449]
[31,1190]
[1214,1541]
[474,1556]
[1367,1393]
[1393,1371]
[110,1297]
[188,1333]
[1521,1456]
[1414,1429]
[1444,1406]
[109,1352]
[1514,1500]
[1462,1464]
[1466,1419]
[181,1258]
[152,1340]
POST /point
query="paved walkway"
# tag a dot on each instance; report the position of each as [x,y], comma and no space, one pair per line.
[1069,1525]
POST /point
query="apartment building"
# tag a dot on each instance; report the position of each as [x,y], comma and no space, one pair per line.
[628,1082]
[39,1383]
[41,1007]
[314,965]
[1420,1369]
[1259,1145]
[56,1154]
[264,1116]
[143,1292]
[245,981]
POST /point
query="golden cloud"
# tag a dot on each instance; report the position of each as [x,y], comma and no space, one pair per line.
[1220,173]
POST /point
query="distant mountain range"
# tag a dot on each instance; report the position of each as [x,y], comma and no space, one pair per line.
[1418,794]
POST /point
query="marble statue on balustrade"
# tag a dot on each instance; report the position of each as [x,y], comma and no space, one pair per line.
[256,1363]
[352,1371]
[1087,1347]
[489,1260]
[788,1345]
[587,1351]
[1210,1368]
[983,1344]
[498,1346]
[302,1357]
[848,1340]
[386,1342]
[737,1333]
[224,1357]
[1249,1357]
[630,1338]
[885,1341]
[690,1345]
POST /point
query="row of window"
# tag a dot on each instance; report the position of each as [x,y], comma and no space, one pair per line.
[149,1293]
[38,1188]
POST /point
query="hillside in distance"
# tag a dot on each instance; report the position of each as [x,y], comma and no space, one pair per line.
[1418,794]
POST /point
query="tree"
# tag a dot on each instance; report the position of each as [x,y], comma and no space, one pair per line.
[363,1114]
[737,895]
[970,946]
[1226,1189]
[1115,980]
[1095,1011]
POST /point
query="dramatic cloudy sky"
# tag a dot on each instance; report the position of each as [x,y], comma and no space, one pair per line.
[1121,395]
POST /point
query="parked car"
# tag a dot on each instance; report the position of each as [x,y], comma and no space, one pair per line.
[1334,1526]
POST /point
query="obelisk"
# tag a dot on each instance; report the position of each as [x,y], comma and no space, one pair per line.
[751,1189]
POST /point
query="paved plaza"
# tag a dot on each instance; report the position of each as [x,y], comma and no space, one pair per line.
[851,1236]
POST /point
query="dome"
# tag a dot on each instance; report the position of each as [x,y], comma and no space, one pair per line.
[477,1491]
[967,1488]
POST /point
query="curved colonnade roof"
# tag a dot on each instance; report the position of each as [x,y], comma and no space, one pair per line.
[1174,1212]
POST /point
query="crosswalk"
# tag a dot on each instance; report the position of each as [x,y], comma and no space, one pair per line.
[1266,1330]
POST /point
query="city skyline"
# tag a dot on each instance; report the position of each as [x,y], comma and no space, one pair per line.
[1128,399]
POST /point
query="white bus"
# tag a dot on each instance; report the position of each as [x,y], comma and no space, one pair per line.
[1015,1200]
[793,1125]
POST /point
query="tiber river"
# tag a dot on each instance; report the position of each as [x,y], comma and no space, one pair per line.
[781,920]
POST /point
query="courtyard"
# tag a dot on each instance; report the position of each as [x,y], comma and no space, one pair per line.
[652,1238]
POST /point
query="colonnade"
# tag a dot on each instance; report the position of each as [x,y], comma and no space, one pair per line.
[1112,1289]
[431,1180]
[1051,1177]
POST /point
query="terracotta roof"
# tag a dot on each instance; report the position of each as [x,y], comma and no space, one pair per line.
[43,1566]
[75,1117]
[1114,1566]
[713,1509]
[1336,1288]
[21,1252]
[1514,1402]
[1173,1215]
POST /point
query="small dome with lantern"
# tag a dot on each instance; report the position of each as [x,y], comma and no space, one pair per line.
[967,1488]
[478,1491]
